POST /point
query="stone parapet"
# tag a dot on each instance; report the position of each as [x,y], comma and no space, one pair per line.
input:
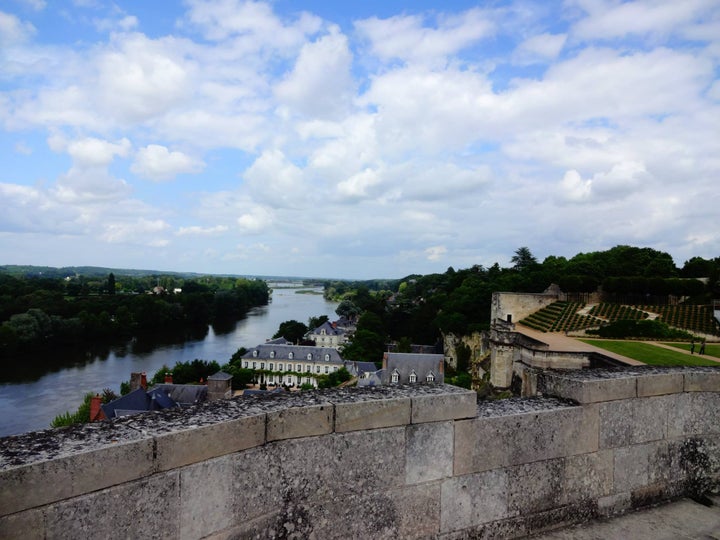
[421,461]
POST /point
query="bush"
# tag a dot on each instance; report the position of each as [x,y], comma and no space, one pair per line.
[625,328]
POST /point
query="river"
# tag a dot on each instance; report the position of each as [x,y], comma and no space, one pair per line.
[31,405]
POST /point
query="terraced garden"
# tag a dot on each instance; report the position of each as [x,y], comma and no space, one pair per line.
[565,316]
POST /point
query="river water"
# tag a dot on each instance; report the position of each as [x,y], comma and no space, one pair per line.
[30,406]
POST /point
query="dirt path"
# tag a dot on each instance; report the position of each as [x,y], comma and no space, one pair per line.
[675,349]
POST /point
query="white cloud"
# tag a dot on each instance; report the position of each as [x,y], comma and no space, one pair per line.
[13,31]
[358,185]
[201,231]
[143,231]
[405,37]
[256,220]
[308,90]
[539,48]
[156,162]
[435,253]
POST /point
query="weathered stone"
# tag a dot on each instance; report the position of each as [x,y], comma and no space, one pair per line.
[449,406]
[299,422]
[535,487]
[429,452]
[634,421]
[587,477]
[28,525]
[473,500]
[198,443]
[48,481]
[702,381]
[147,508]
[590,390]
[487,443]
[372,414]
[694,413]
[642,465]
[659,384]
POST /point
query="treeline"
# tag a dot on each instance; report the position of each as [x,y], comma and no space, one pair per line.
[420,309]
[42,312]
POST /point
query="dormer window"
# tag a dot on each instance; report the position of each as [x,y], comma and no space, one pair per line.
[309,356]
[255,353]
[272,354]
[395,377]
[413,377]
[430,377]
[291,355]
[327,357]
[323,332]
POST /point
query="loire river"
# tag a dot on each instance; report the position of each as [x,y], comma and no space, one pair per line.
[30,406]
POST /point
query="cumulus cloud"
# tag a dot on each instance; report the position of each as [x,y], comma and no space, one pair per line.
[13,31]
[196,230]
[255,220]
[540,48]
[156,162]
[149,232]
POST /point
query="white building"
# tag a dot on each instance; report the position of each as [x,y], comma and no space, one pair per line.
[291,365]
[328,335]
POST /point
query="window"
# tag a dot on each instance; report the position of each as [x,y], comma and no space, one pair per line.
[413,377]
[395,377]
[291,355]
[272,354]
[299,367]
[317,369]
[430,377]
[309,356]
[334,368]
[327,369]
[307,368]
[254,365]
[245,364]
[272,366]
[262,365]
[280,367]
[255,353]
[327,357]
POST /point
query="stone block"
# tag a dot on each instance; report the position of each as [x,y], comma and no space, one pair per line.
[28,525]
[634,421]
[372,414]
[439,407]
[695,413]
[615,504]
[535,487]
[702,381]
[44,482]
[338,465]
[259,482]
[429,452]
[658,384]
[198,443]
[472,500]
[488,443]
[294,422]
[642,465]
[147,508]
[589,390]
[587,477]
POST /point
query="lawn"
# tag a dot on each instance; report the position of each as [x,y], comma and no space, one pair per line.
[710,349]
[650,354]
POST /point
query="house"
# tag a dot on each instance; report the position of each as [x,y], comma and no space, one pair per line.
[291,365]
[406,368]
[328,335]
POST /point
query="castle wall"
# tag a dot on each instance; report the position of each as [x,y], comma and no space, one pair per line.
[407,462]
[518,305]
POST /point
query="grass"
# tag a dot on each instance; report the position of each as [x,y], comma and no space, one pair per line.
[650,354]
[710,349]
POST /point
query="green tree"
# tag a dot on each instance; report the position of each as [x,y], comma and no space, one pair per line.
[291,330]
[348,309]
[111,283]
[523,259]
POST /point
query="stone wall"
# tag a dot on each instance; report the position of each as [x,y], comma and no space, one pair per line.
[408,462]
[518,305]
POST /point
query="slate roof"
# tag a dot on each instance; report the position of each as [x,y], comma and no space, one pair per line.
[406,363]
[183,394]
[330,330]
[300,352]
[136,401]
[358,368]
[219,376]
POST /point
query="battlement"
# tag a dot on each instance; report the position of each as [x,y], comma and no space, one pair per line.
[409,462]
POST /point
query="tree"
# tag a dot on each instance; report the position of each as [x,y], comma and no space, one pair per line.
[523,259]
[111,283]
[348,309]
[291,330]
[314,322]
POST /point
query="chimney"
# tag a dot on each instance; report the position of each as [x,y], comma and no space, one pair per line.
[168,378]
[385,359]
[135,381]
[143,380]
[96,412]
[441,366]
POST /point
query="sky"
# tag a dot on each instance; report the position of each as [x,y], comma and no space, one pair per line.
[358,140]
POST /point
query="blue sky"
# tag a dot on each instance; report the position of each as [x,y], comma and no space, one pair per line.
[355,139]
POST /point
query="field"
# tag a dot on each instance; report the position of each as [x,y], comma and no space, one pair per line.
[711,349]
[651,354]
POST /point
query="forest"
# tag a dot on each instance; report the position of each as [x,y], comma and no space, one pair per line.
[420,308]
[39,311]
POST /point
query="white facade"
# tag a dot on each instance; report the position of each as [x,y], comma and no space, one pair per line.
[291,365]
